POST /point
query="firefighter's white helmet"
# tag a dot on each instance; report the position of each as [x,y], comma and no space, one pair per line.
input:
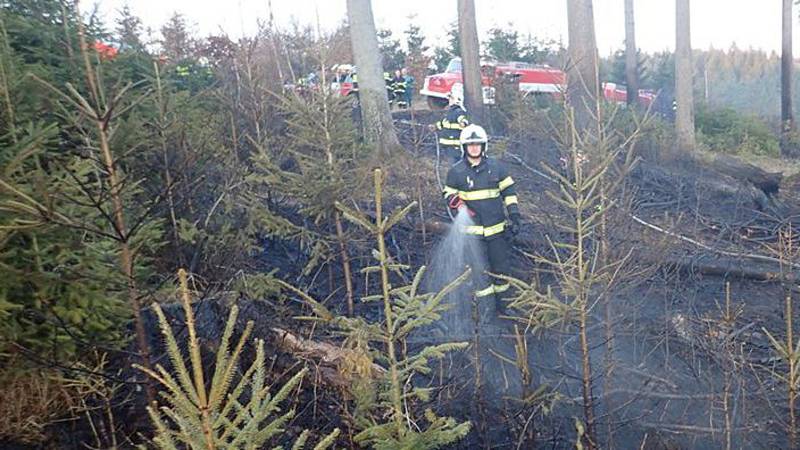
[473,134]
[456,95]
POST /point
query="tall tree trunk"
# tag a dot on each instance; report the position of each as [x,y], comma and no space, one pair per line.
[582,82]
[631,57]
[684,116]
[787,61]
[376,118]
[470,61]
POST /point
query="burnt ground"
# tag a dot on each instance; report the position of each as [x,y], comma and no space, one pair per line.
[669,373]
[674,369]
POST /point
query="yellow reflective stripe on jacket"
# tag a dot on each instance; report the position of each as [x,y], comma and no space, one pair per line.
[448,191]
[473,229]
[494,229]
[481,194]
[505,182]
[478,230]
[450,125]
[510,200]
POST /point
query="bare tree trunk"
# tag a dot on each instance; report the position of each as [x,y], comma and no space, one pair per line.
[787,61]
[162,135]
[271,28]
[344,254]
[793,369]
[684,116]
[590,435]
[582,300]
[376,118]
[470,61]
[582,81]
[631,59]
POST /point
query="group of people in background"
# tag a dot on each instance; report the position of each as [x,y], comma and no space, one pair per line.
[399,88]
[399,84]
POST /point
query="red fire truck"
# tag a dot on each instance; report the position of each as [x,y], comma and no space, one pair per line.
[536,79]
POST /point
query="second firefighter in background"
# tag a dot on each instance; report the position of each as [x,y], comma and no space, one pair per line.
[450,127]
[483,186]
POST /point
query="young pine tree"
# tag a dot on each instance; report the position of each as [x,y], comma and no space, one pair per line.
[67,265]
[322,155]
[388,393]
[225,413]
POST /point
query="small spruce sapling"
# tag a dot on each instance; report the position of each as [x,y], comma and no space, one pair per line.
[405,310]
[224,413]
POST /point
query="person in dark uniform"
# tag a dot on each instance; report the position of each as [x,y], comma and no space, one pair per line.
[485,189]
[388,80]
[455,120]
[399,89]
[409,79]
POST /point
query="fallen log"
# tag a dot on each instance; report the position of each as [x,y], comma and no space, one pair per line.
[335,364]
[698,182]
[737,255]
[768,182]
[726,268]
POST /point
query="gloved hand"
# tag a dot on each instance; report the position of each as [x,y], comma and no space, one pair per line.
[513,225]
[455,204]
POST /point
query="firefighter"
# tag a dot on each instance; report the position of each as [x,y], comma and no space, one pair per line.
[387,80]
[399,89]
[483,187]
[183,70]
[409,79]
[449,128]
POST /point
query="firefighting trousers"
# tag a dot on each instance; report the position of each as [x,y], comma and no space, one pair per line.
[492,291]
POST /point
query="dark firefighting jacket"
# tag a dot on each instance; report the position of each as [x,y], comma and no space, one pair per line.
[488,190]
[399,88]
[450,127]
[387,79]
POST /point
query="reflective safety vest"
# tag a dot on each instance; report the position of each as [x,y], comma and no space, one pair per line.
[399,86]
[488,190]
[387,80]
[450,127]
[399,90]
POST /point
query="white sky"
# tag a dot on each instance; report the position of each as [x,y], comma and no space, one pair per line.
[717,23]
